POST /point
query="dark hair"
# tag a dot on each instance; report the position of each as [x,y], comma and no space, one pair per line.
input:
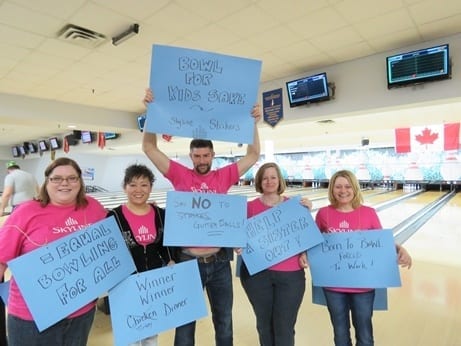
[137,171]
[351,178]
[200,143]
[259,177]
[44,197]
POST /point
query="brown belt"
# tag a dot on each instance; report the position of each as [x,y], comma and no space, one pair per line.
[201,259]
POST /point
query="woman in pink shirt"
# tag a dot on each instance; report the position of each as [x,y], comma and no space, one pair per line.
[346,213]
[277,292]
[62,208]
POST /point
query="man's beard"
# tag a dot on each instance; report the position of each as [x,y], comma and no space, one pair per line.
[203,169]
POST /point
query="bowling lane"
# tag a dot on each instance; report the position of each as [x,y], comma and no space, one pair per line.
[319,197]
[374,197]
[392,216]
[371,198]
[439,239]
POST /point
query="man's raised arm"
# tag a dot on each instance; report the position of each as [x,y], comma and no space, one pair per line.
[149,143]
[253,150]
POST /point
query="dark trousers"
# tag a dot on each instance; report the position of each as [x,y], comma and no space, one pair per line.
[276,297]
[217,280]
[2,323]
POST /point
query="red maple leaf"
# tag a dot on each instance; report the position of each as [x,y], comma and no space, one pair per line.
[427,136]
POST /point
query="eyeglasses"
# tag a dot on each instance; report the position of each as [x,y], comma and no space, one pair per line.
[58,180]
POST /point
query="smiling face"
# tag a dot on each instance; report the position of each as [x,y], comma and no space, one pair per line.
[343,193]
[270,181]
[63,185]
[138,190]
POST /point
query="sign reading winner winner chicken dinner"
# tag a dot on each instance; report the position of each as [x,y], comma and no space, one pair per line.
[156,300]
[200,94]
[61,277]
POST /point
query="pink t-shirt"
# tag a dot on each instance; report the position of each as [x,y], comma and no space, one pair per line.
[255,207]
[330,220]
[142,226]
[31,227]
[216,181]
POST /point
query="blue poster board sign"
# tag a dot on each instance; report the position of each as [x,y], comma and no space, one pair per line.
[361,259]
[148,303]
[72,271]
[5,291]
[201,94]
[204,219]
[279,233]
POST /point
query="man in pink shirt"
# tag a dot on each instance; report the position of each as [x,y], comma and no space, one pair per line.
[213,262]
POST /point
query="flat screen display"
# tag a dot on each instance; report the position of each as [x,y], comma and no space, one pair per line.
[308,89]
[86,137]
[42,145]
[15,151]
[423,65]
[110,135]
[32,147]
[54,143]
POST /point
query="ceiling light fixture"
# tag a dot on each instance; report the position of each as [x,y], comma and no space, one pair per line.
[130,32]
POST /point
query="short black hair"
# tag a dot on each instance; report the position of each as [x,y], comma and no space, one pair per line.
[136,171]
[200,143]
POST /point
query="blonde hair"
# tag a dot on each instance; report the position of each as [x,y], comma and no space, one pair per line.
[351,178]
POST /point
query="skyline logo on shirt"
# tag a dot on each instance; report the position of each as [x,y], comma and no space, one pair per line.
[71,225]
[344,224]
[144,235]
[203,188]
[343,227]
[71,221]
[143,230]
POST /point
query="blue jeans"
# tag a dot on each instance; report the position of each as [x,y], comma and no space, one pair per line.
[276,297]
[217,280]
[360,306]
[67,332]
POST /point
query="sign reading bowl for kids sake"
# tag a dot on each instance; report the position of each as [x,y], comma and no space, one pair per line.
[204,219]
[279,233]
[156,300]
[360,259]
[200,94]
[71,272]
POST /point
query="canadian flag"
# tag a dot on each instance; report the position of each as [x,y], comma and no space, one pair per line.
[427,138]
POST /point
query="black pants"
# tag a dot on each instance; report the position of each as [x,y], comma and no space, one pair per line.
[2,323]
